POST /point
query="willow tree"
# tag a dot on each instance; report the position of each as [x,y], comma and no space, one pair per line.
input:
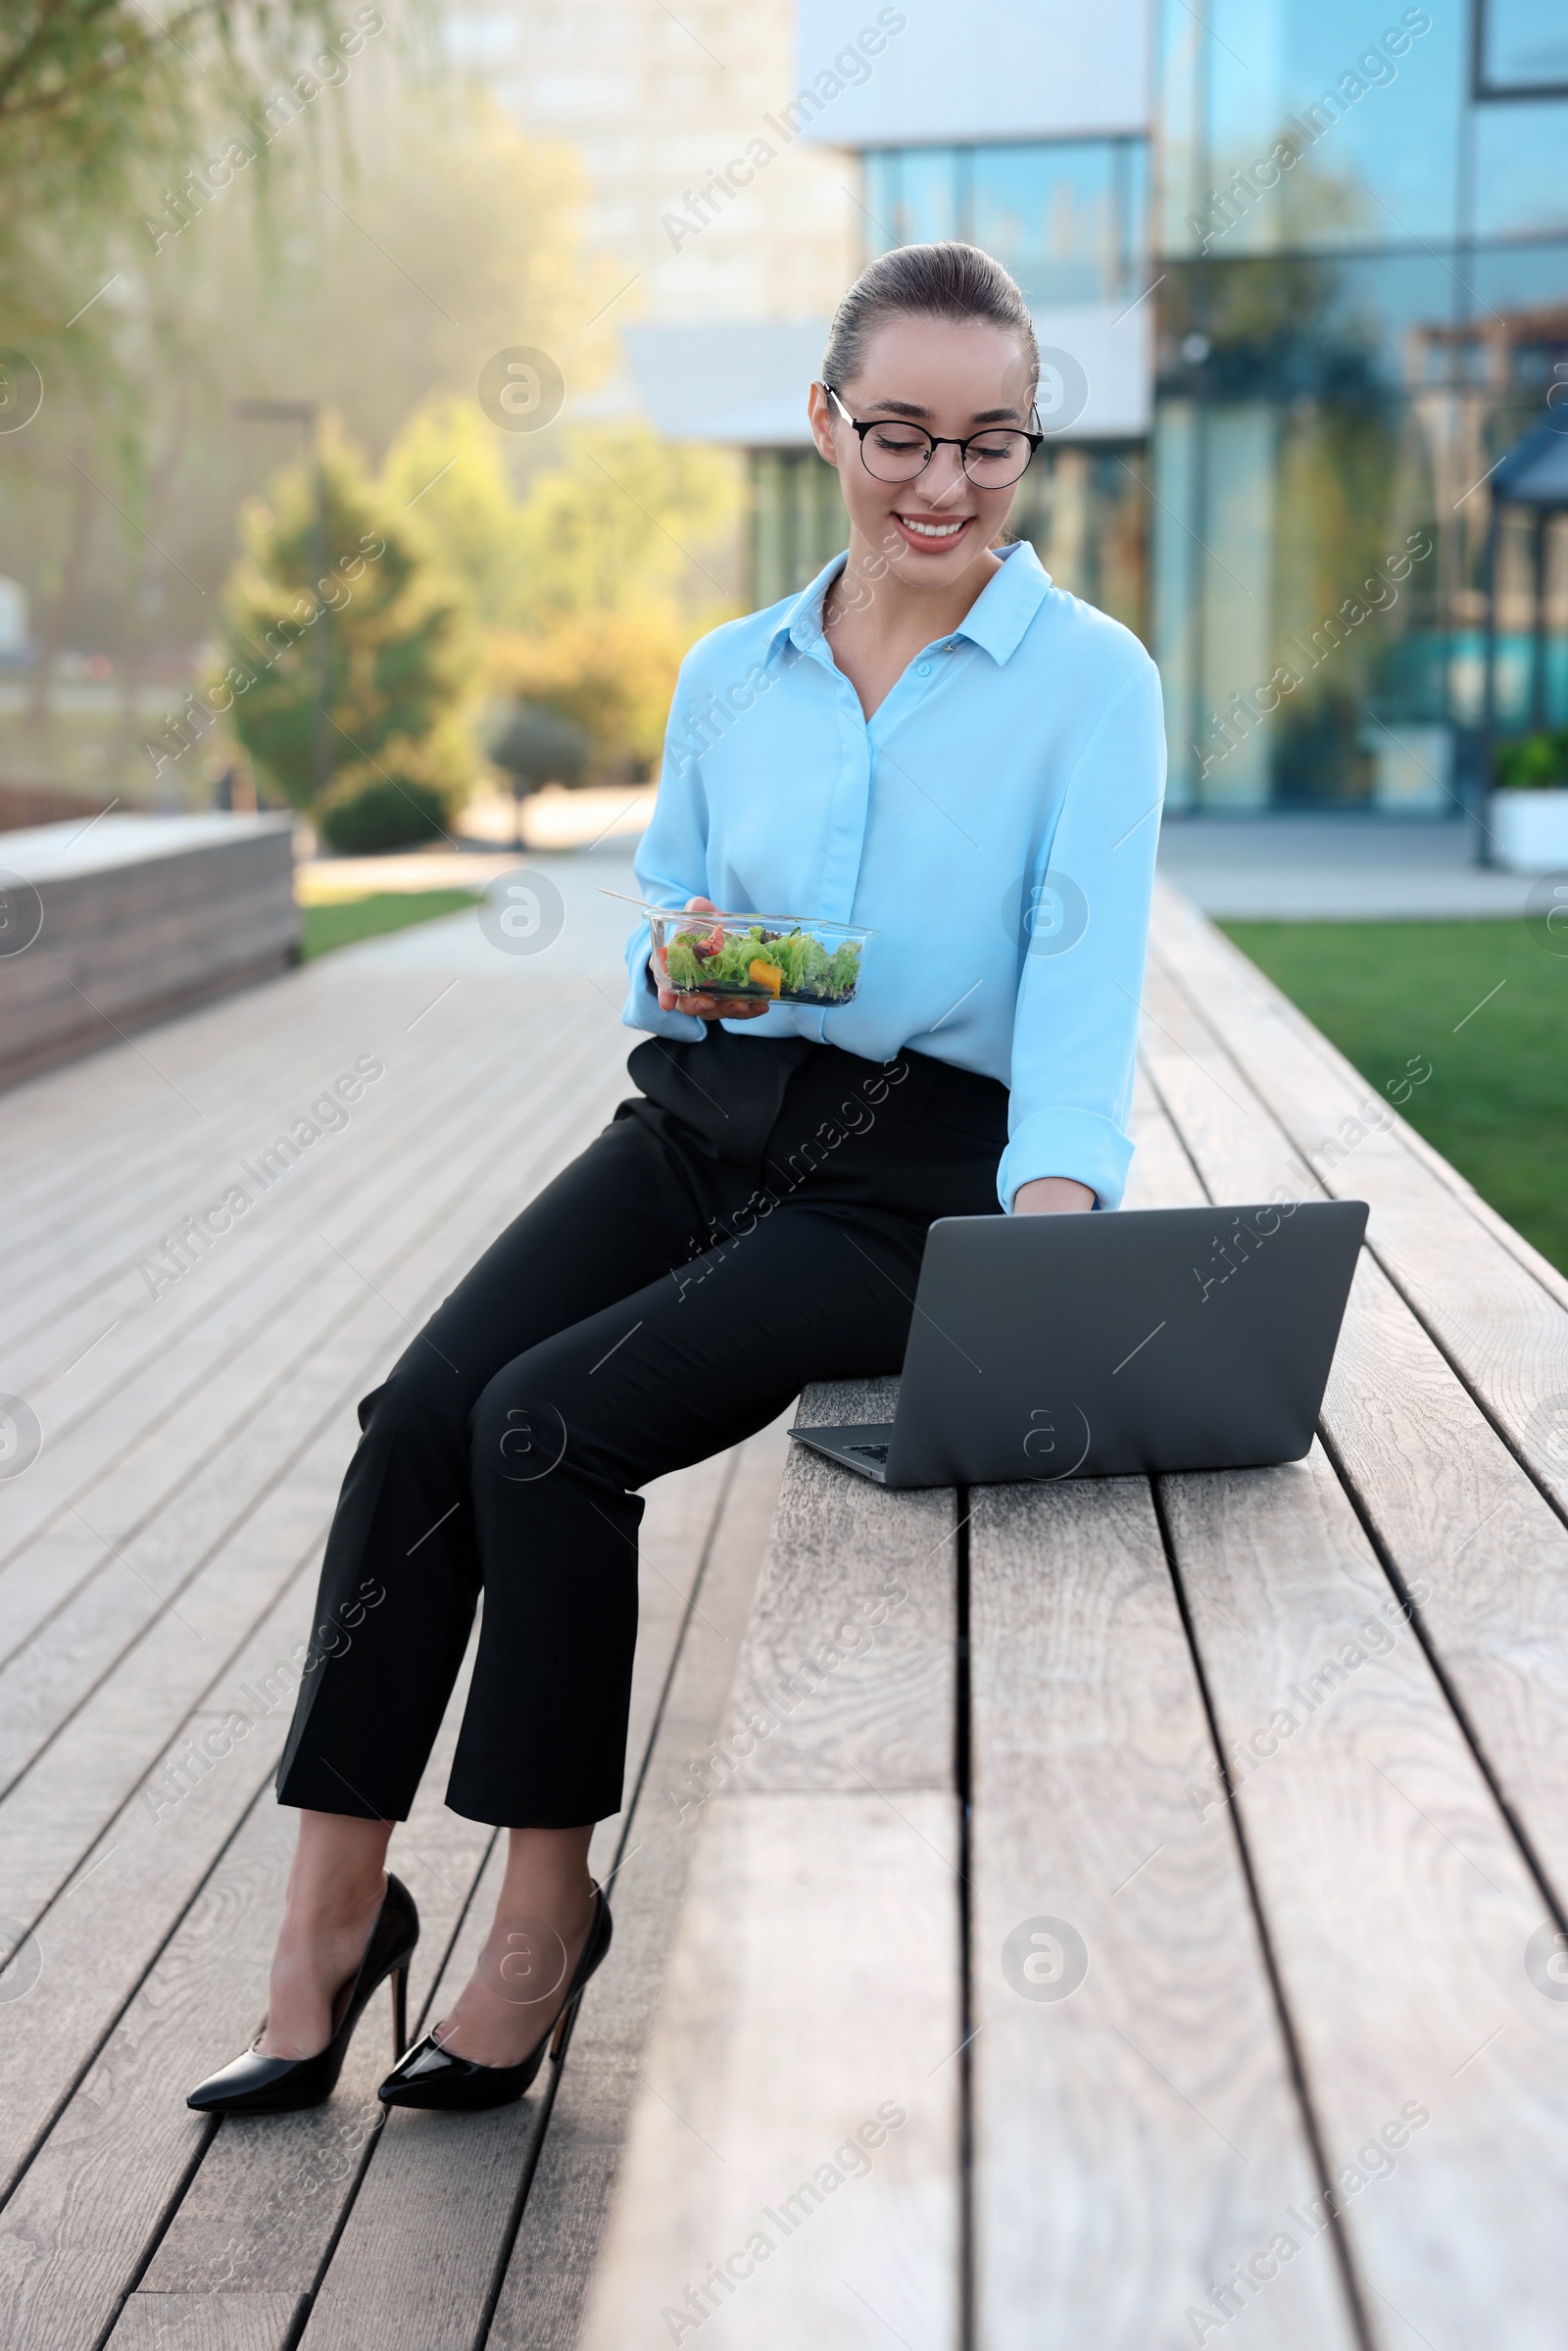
[97,101]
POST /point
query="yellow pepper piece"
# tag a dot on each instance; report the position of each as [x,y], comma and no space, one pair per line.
[766,975]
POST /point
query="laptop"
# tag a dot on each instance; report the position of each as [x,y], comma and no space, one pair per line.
[1104,1345]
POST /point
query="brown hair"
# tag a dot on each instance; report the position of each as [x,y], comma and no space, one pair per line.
[949,280]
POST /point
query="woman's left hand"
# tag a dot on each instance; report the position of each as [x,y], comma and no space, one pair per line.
[1051,1196]
[706,1007]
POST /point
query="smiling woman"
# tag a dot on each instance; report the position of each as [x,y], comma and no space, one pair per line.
[933,751]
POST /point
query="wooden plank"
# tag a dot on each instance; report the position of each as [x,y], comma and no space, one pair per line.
[260,2213]
[160,1456]
[80,2221]
[849,1653]
[813,1995]
[220,1051]
[220,1120]
[71,2233]
[1229,1135]
[265,1276]
[254,2222]
[171,958]
[1136,2127]
[97,1942]
[59,1309]
[215,2321]
[1161,1175]
[814,1977]
[546,2282]
[1470,1533]
[51,1111]
[131,1740]
[1463,1524]
[428,2225]
[73,1152]
[1500,1321]
[1473,1538]
[1399,1911]
[417,2266]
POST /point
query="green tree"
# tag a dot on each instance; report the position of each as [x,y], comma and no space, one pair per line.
[117,503]
[351,654]
[608,518]
[449,460]
[624,519]
[609,673]
[594,572]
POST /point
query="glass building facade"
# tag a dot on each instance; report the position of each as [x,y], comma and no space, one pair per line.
[1363,304]
[1353,233]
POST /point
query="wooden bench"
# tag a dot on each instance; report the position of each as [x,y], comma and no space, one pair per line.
[108,924]
[991,1967]
[1265,1773]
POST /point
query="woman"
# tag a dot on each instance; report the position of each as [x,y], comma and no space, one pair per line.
[931,740]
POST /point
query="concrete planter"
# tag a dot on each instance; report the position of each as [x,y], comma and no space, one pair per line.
[109,925]
[1530,830]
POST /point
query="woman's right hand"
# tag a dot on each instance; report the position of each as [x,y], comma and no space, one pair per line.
[706,1008]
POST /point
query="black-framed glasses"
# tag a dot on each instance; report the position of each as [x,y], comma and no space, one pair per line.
[894,450]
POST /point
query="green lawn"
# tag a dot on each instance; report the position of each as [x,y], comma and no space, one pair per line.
[339,925]
[1496,1102]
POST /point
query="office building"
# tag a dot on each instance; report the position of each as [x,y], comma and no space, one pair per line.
[1302,279]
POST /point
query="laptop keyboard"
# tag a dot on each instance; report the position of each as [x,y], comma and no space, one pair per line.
[872,1452]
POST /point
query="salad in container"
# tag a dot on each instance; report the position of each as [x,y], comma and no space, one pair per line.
[777,959]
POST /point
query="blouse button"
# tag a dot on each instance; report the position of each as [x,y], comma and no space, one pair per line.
[922,668]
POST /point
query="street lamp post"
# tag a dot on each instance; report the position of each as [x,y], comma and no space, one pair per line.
[304,413]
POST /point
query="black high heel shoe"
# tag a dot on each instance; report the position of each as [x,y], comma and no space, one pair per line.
[432,2077]
[257,2084]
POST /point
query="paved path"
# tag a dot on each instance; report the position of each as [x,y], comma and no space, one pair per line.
[1326,868]
[1266,868]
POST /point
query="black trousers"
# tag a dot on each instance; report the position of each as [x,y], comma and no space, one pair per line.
[753,1219]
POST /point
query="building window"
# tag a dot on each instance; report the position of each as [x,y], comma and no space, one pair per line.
[1518,187]
[1374,122]
[798,522]
[1520,49]
[1083,507]
[912,196]
[1066,216]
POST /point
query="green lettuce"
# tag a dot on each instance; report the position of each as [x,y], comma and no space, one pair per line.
[805,966]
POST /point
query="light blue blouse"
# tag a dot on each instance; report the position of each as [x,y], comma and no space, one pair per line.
[995,822]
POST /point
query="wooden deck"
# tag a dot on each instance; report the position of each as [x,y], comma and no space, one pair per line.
[1025,1969]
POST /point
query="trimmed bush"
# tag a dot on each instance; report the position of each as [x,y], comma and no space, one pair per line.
[538,747]
[1533,762]
[385,815]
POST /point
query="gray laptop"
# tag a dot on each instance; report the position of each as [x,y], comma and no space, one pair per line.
[1094,1347]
